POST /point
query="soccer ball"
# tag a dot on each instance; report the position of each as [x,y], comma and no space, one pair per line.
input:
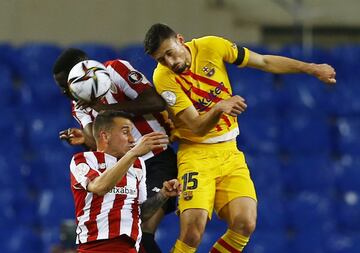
[89,80]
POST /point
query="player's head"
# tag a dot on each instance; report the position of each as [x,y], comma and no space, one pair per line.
[62,66]
[112,132]
[167,47]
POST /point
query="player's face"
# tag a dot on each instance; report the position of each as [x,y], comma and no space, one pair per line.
[173,54]
[61,81]
[120,139]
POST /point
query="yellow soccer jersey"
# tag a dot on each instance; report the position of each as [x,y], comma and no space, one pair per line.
[202,86]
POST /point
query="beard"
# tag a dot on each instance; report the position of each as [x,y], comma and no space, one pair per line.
[180,68]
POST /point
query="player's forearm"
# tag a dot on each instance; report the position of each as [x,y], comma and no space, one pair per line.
[151,205]
[107,181]
[283,65]
[207,121]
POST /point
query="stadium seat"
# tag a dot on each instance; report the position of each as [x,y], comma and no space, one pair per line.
[265,171]
[299,132]
[348,216]
[313,173]
[349,135]
[267,242]
[98,52]
[271,215]
[348,172]
[53,200]
[308,241]
[344,242]
[138,59]
[167,232]
[309,211]
[256,87]
[36,60]
[258,134]
[7,88]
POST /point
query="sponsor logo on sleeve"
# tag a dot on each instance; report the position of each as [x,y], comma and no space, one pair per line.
[169,97]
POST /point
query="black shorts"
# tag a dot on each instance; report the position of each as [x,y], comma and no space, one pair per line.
[160,168]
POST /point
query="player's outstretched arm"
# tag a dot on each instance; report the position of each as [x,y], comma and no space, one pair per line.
[284,65]
[107,180]
[146,102]
[171,188]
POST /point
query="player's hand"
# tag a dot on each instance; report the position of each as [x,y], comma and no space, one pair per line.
[151,141]
[74,136]
[325,73]
[171,188]
[232,106]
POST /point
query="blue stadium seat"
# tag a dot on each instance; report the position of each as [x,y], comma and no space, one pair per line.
[348,216]
[256,87]
[313,173]
[267,242]
[167,232]
[53,200]
[265,171]
[258,134]
[299,132]
[138,59]
[36,60]
[348,174]
[7,88]
[309,211]
[344,242]
[271,215]
[16,239]
[308,241]
[98,52]
[349,135]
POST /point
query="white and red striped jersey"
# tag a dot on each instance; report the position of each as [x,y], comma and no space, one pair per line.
[115,213]
[128,83]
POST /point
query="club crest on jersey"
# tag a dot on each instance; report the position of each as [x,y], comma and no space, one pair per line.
[209,69]
[187,195]
[81,170]
[135,77]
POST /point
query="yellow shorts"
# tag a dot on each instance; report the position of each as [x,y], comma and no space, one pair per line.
[212,175]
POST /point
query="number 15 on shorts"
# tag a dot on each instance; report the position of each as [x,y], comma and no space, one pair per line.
[189,181]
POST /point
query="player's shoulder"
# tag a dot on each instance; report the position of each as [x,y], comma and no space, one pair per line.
[161,72]
[118,64]
[88,157]
[206,41]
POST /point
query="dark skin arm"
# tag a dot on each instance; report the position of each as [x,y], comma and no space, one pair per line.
[76,136]
[146,102]
[171,188]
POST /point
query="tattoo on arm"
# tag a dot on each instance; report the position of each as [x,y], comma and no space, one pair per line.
[151,205]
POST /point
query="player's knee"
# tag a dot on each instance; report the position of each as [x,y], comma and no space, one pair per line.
[192,234]
[243,225]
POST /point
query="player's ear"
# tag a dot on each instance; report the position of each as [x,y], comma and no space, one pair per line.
[104,136]
[180,38]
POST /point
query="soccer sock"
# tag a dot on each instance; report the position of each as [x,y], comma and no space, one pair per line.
[230,242]
[181,247]
[149,244]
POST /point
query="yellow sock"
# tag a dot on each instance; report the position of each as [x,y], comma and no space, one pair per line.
[230,242]
[181,247]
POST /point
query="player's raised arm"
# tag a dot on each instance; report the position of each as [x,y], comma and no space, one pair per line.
[284,65]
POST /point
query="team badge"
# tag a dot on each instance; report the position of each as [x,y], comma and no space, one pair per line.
[81,170]
[187,195]
[135,77]
[209,69]
[169,97]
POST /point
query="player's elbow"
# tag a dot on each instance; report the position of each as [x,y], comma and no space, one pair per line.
[159,105]
[98,189]
[198,131]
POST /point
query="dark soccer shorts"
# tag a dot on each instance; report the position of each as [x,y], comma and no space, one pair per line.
[160,168]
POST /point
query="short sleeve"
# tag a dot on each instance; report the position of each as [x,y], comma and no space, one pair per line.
[81,173]
[171,91]
[228,50]
[82,116]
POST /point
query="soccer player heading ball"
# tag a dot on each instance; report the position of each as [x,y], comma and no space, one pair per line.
[192,78]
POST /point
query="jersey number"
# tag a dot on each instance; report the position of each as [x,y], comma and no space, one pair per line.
[188,178]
